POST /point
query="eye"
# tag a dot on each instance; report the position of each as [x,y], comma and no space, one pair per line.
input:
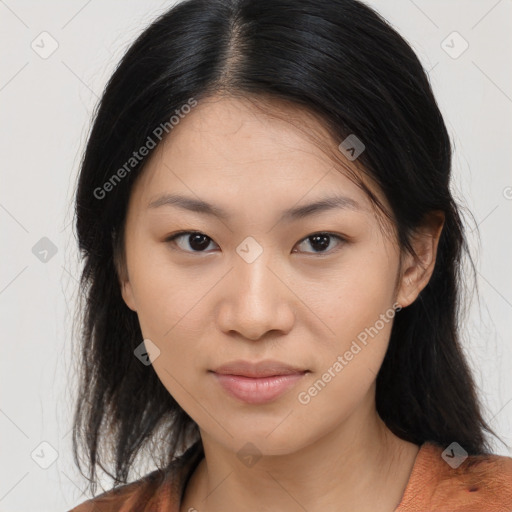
[198,242]
[321,241]
[193,239]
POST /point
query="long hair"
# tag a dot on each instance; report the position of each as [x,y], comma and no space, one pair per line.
[342,61]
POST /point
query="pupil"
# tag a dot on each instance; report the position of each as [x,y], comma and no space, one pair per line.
[195,242]
[320,240]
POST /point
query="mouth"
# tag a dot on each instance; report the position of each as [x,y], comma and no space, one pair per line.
[257,383]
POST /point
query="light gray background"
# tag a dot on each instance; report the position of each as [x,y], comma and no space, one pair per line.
[46,106]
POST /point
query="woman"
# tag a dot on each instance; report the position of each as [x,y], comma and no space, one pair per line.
[273,272]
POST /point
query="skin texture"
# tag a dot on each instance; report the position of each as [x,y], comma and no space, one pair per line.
[293,304]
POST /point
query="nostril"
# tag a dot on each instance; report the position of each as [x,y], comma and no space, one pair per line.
[473,489]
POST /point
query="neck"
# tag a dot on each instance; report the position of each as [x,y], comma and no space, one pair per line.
[360,465]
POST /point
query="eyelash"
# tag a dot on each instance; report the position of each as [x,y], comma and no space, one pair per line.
[341,239]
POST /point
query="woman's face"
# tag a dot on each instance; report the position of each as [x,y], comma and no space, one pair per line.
[254,287]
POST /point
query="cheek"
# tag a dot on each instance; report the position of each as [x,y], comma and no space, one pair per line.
[353,295]
[182,372]
[164,294]
[170,309]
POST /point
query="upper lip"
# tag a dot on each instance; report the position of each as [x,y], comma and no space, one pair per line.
[267,368]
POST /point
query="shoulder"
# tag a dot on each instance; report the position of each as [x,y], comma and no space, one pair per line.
[158,491]
[476,482]
[125,497]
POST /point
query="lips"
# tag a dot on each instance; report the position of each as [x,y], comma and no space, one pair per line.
[257,383]
[267,368]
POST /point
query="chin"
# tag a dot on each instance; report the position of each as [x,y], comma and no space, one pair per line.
[263,442]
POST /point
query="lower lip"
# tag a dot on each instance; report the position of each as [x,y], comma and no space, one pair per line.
[257,390]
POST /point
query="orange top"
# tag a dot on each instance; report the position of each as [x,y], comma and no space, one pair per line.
[479,484]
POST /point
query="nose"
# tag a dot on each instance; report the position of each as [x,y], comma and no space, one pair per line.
[256,300]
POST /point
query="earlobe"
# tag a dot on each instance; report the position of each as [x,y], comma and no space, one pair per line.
[416,272]
[127,293]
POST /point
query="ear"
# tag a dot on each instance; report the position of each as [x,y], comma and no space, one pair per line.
[124,282]
[416,272]
[127,293]
[120,265]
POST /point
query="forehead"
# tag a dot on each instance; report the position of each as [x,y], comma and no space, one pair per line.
[229,150]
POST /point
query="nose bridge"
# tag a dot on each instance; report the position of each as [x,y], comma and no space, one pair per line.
[255,286]
[257,300]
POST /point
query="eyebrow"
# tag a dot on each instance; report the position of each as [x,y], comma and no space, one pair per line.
[295,213]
